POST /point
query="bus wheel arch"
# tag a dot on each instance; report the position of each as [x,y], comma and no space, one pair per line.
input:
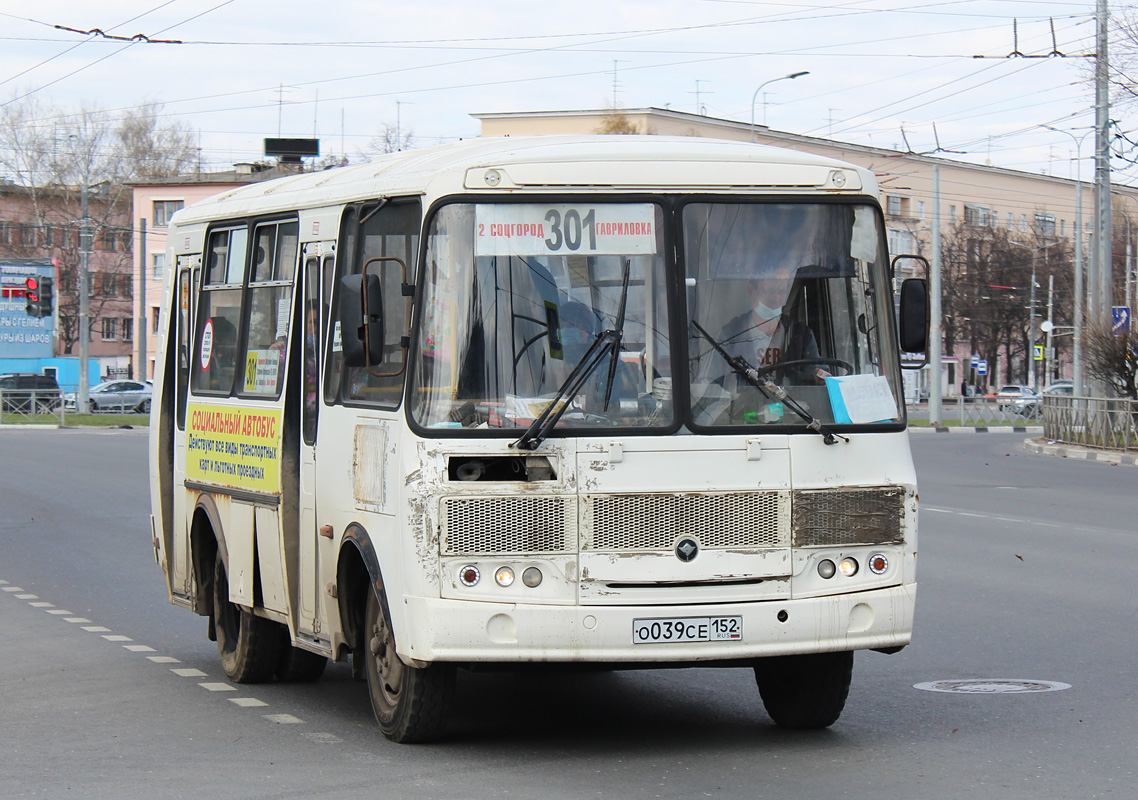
[207,539]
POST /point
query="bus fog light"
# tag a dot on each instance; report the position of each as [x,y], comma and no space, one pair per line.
[848,567]
[469,575]
[504,576]
[826,568]
[531,577]
[878,564]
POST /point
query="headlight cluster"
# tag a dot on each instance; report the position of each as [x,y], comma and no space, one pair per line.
[878,564]
[503,576]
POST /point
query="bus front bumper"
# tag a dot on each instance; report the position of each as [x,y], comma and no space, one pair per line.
[457,631]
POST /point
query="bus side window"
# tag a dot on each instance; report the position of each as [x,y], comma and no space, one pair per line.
[213,362]
[313,334]
[392,232]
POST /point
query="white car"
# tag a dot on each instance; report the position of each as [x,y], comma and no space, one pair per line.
[1015,397]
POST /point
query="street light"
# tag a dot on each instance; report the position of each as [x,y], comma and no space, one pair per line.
[1077,356]
[755,97]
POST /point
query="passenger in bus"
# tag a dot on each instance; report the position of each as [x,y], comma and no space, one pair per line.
[311,365]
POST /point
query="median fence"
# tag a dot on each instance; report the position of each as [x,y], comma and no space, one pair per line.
[1109,424]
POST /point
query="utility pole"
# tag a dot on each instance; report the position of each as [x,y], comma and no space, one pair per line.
[84,302]
[140,373]
[1100,292]
[936,391]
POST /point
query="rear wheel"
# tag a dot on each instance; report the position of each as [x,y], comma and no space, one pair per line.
[296,665]
[805,691]
[410,703]
[144,407]
[249,646]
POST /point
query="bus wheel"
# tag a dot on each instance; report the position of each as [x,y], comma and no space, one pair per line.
[249,646]
[410,703]
[296,665]
[806,691]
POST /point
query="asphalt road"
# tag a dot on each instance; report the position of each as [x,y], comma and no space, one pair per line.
[1027,573]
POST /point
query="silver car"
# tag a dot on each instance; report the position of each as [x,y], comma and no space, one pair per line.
[117,395]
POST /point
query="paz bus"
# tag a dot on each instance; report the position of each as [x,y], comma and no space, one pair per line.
[479,406]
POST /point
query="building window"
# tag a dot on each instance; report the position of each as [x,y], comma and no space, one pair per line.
[1023,222]
[1044,225]
[1011,220]
[896,206]
[164,209]
[127,329]
[920,209]
[952,214]
[159,264]
[110,329]
[1062,227]
[155,312]
[110,284]
[978,216]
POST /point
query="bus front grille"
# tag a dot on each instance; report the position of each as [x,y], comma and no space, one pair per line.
[653,522]
[838,517]
[503,525]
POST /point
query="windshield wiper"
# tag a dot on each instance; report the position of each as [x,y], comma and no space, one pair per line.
[607,341]
[769,388]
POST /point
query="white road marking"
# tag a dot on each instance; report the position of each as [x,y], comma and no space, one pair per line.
[118,638]
[218,687]
[96,629]
[61,612]
[42,604]
[163,660]
[247,702]
[76,619]
[13,589]
[284,719]
[27,597]
[322,738]
[188,673]
[138,648]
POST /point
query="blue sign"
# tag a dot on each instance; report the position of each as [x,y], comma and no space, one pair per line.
[1121,319]
[981,367]
[22,336]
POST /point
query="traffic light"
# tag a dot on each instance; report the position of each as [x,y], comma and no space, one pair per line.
[46,296]
[32,297]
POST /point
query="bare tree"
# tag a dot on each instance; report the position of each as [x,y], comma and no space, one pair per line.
[389,139]
[1113,358]
[616,121]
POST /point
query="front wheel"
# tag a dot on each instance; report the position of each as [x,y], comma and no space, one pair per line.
[249,646]
[410,703]
[805,691]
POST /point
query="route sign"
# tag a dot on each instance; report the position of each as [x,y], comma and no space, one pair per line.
[1121,316]
[981,367]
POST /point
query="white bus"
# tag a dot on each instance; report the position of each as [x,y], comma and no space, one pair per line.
[629,401]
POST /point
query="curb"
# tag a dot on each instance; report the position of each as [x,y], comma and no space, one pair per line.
[1033,429]
[1047,447]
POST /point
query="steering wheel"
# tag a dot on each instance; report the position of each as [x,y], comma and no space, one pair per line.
[830,362]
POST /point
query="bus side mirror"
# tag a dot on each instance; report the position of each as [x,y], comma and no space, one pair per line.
[361,320]
[914,315]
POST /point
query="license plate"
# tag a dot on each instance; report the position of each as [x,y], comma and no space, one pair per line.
[687,629]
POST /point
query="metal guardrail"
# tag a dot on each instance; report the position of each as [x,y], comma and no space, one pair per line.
[24,406]
[1102,423]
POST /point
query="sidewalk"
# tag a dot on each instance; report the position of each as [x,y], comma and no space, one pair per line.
[1046,447]
[1034,429]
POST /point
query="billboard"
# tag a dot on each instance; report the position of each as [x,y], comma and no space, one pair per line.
[22,336]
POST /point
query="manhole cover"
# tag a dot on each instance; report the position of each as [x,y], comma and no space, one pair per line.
[992,686]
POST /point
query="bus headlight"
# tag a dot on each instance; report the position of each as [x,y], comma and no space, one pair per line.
[848,567]
[504,576]
[826,568]
[531,577]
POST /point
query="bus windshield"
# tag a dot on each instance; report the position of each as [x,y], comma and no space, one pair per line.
[782,323]
[516,294]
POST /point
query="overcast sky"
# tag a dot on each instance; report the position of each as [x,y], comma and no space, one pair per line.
[342,69]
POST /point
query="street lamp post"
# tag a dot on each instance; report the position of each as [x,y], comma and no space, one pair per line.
[755,96]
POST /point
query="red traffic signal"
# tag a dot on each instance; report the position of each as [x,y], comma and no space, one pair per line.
[32,297]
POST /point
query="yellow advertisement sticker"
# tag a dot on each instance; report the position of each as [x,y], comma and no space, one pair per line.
[234,446]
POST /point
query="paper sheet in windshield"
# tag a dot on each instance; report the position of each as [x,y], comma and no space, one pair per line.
[538,229]
[861,398]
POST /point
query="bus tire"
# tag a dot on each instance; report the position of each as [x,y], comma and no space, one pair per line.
[410,703]
[249,646]
[296,665]
[805,691]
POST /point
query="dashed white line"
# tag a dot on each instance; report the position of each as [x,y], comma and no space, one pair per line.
[27,597]
[12,589]
[118,638]
[96,629]
[42,604]
[139,648]
[218,687]
[189,672]
[247,702]
[284,719]
[61,612]
[163,660]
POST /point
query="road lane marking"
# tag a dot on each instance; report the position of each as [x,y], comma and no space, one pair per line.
[218,687]
[13,589]
[96,629]
[76,619]
[27,597]
[163,660]
[189,672]
[247,702]
[42,604]
[139,648]
[284,719]
[61,612]
[118,638]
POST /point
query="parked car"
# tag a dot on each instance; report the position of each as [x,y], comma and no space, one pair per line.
[1062,388]
[1015,397]
[118,395]
[30,392]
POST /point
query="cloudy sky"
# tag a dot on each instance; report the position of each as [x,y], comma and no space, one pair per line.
[242,70]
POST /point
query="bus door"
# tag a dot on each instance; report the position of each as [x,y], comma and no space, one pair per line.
[316,549]
[186,277]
